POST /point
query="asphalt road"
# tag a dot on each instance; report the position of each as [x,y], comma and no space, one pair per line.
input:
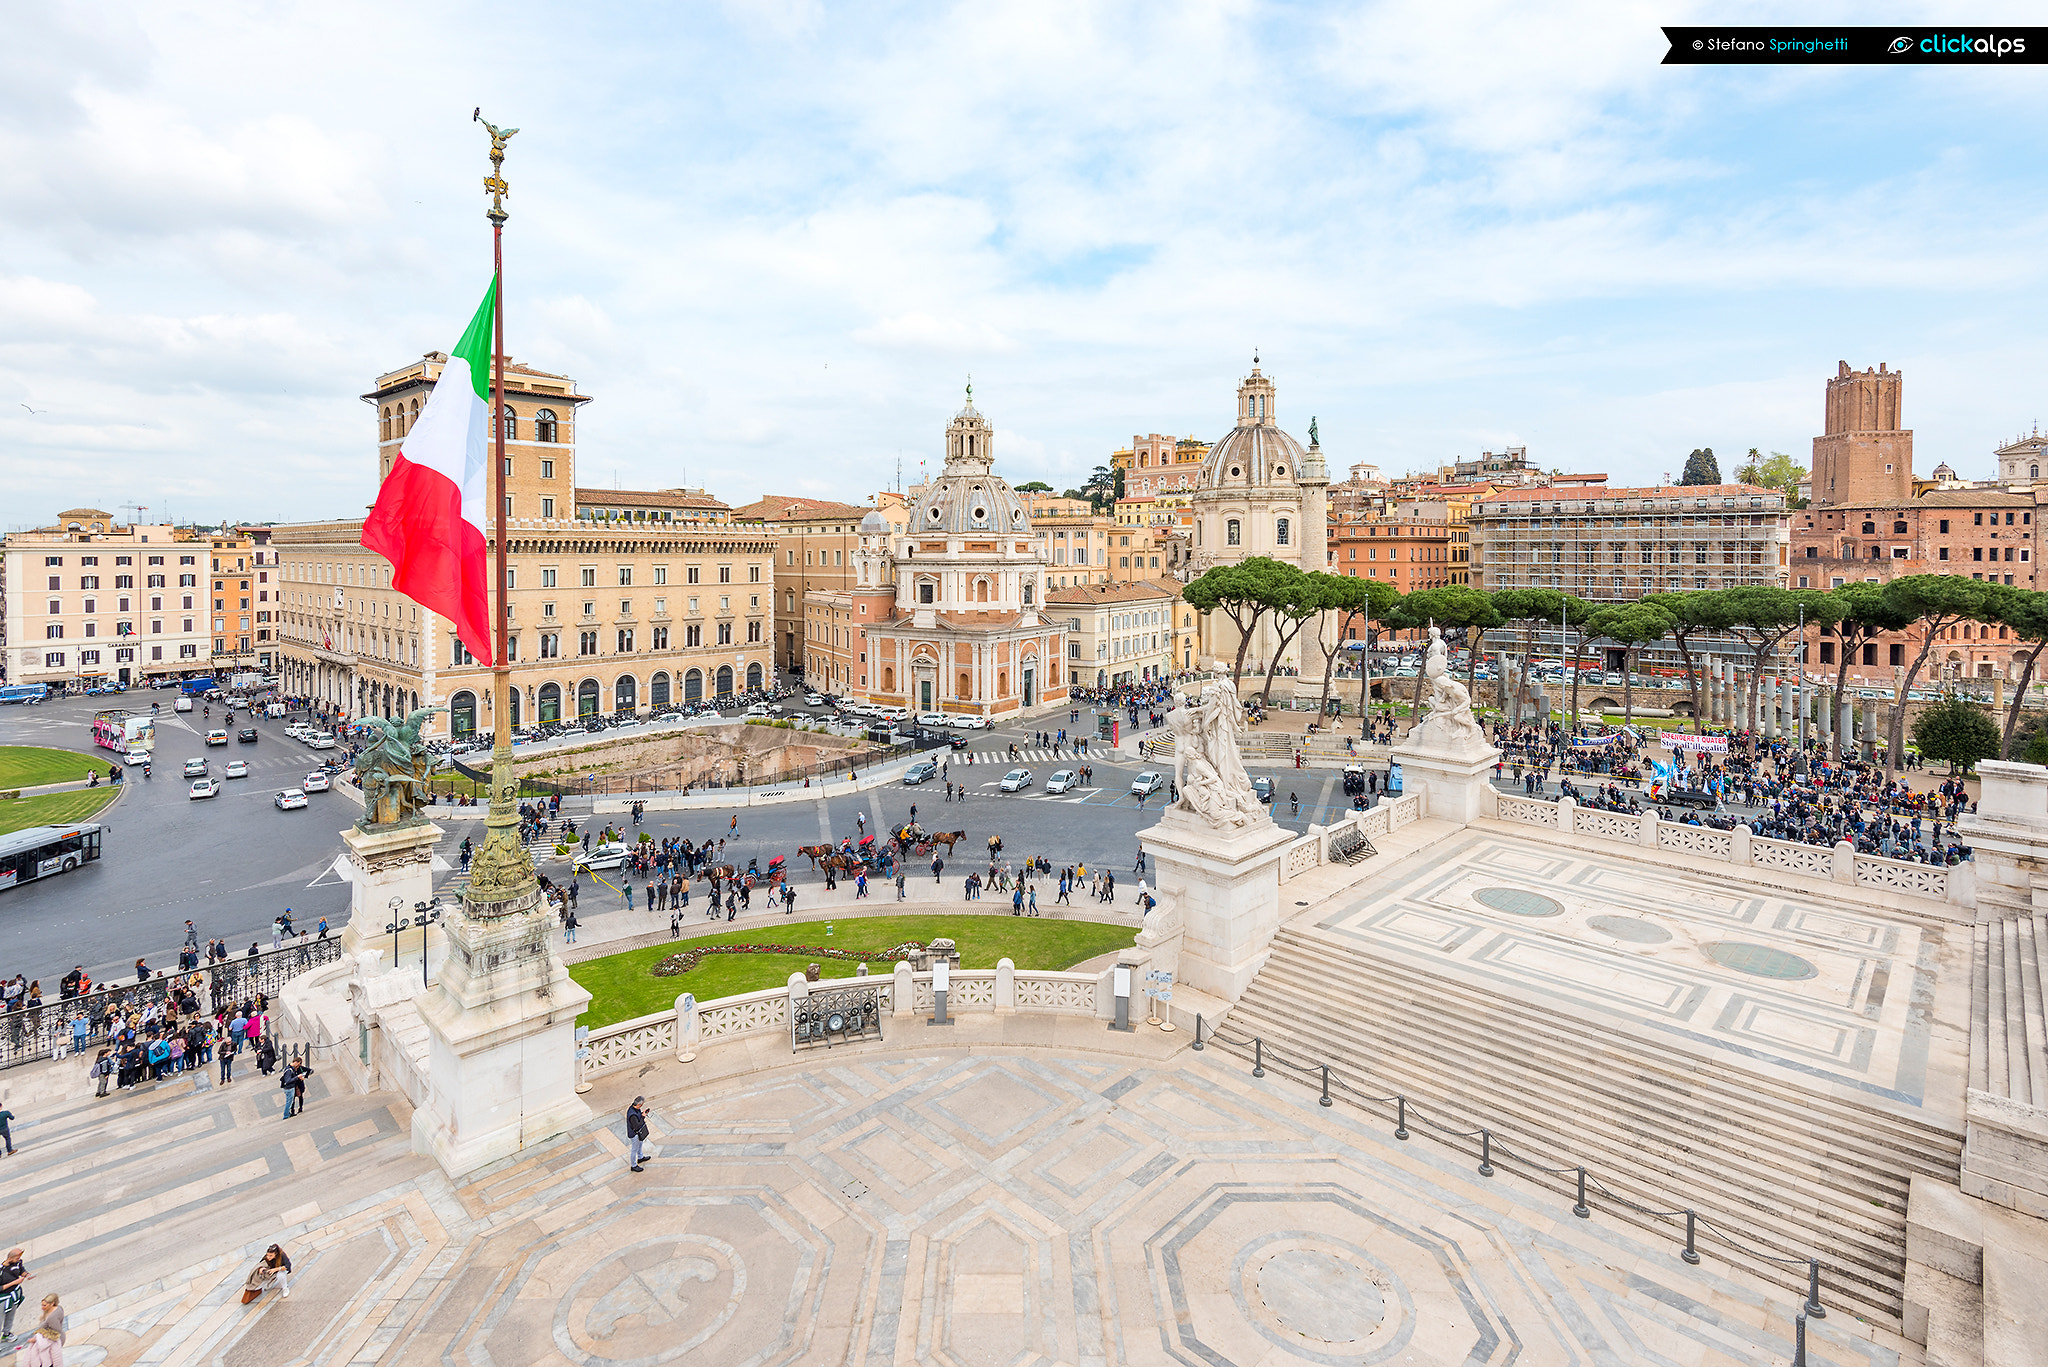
[232,862]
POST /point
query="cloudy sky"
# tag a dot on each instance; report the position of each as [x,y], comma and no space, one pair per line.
[773,238]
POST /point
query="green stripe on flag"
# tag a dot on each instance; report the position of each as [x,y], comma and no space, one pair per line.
[475,346]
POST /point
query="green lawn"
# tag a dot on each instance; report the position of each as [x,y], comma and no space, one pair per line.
[31,766]
[53,809]
[623,986]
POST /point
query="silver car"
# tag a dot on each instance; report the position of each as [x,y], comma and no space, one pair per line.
[1015,781]
[1062,781]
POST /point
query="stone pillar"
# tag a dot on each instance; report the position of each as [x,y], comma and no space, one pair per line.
[1226,883]
[386,862]
[1845,863]
[1566,809]
[1006,987]
[1790,691]
[1738,848]
[501,1023]
[689,1030]
[902,990]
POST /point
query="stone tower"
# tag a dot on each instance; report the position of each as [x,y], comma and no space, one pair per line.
[1863,454]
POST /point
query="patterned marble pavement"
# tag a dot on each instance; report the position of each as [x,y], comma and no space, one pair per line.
[1826,989]
[1079,1199]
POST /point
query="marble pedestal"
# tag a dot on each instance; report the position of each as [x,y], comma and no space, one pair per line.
[386,862]
[1225,884]
[502,1030]
[1455,779]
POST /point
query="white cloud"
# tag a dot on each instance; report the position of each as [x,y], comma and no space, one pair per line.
[770,239]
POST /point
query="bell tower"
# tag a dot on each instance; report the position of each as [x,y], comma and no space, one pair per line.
[1863,455]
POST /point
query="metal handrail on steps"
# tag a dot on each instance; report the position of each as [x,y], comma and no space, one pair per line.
[1320,1074]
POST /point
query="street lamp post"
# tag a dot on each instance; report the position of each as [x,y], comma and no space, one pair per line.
[425,915]
[395,925]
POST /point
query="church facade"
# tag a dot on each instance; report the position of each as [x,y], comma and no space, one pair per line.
[1261,493]
[948,613]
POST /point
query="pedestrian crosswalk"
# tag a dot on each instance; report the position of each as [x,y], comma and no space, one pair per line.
[1031,755]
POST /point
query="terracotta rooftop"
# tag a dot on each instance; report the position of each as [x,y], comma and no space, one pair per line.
[1134,591]
[650,498]
[1548,494]
[785,507]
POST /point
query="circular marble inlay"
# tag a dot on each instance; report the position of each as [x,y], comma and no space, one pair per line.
[1516,902]
[1759,961]
[1629,928]
[651,1302]
[1320,1296]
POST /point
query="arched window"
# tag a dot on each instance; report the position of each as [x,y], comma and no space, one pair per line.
[544,425]
[966,685]
[515,707]
[1002,683]
[586,698]
[1869,527]
[385,428]
[1899,527]
[1028,588]
[2033,472]
[1280,530]
[511,420]
[462,714]
[550,702]
[625,694]
[889,680]
[725,681]
[657,690]
[693,686]
[1232,534]
[754,675]
[981,590]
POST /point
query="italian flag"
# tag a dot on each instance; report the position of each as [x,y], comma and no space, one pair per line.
[429,518]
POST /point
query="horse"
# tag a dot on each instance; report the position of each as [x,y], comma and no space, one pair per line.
[947,838]
[844,865]
[718,873]
[814,853]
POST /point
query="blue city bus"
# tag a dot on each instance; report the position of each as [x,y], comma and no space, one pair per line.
[197,686]
[24,693]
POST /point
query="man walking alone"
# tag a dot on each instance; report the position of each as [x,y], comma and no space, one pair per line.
[636,1130]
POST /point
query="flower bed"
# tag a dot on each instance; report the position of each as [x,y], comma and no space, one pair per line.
[676,964]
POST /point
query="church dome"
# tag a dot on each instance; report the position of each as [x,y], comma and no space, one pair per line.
[1256,453]
[1253,456]
[968,497]
[874,524]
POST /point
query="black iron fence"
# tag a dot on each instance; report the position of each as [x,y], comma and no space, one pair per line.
[74,1024]
[1575,1179]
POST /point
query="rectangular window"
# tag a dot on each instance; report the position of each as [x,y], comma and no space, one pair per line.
[1898,655]
[1976,552]
[589,577]
[1941,554]
[725,574]
[753,574]
[1944,526]
[661,574]
[625,607]
[547,469]
[547,579]
[1979,519]
[53,560]
[547,507]
[88,581]
[690,576]
[1827,652]
[625,576]
[508,505]
[54,659]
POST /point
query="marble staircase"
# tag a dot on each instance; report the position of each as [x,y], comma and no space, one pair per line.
[1789,1171]
[2008,1023]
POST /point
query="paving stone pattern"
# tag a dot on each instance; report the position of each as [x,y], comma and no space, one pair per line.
[973,1204]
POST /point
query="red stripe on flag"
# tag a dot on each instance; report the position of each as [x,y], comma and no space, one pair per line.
[438,560]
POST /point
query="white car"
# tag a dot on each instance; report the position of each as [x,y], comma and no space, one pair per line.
[760,709]
[135,757]
[603,857]
[1146,784]
[1061,781]
[315,782]
[237,769]
[813,700]
[195,768]
[203,787]
[1015,781]
[322,741]
[289,799]
[931,719]
[217,736]
[183,704]
[970,723]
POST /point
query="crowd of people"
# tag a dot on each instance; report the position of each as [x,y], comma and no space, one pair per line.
[1780,790]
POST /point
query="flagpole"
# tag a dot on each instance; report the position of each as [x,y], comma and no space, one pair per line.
[503,854]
